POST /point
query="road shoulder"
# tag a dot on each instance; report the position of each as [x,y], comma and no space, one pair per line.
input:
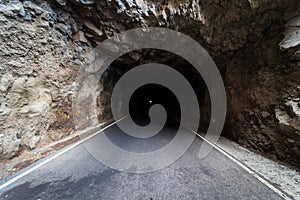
[284,178]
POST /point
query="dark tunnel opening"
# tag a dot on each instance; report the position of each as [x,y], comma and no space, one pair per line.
[148,95]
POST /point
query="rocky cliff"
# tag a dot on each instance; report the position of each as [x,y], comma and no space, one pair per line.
[255,44]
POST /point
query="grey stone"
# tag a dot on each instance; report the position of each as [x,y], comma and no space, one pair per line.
[87,2]
[294,108]
[6,81]
[10,144]
[61,2]
[292,34]
[287,125]
[294,22]
[31,6]
[291,39]
[28,17]
[30,140]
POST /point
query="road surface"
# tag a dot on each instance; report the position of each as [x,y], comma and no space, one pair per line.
[75,174]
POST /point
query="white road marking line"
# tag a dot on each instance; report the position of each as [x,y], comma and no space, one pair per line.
[245,167]
[54,156]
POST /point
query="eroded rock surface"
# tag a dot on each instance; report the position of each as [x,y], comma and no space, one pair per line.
[255,44]
[36,73]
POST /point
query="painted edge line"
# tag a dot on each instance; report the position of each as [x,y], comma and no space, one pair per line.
[245,167]
[9,182]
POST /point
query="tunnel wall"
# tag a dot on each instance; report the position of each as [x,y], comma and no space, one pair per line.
[254,44]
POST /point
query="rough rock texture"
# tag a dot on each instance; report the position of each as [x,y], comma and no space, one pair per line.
[259,116]
[36,73]
[264,87]
[255,44]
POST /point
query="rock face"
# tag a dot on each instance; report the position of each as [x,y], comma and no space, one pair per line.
[288,124]
[36,72]
[255,44]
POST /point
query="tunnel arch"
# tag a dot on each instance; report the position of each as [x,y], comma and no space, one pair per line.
[140,101]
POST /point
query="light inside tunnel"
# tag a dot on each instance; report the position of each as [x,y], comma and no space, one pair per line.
[148,95]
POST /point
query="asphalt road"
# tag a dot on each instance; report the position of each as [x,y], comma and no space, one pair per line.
[76,174]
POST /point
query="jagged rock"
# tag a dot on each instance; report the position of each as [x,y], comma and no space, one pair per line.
[288,125]
[10,145]
[28,97]
[39,102]
[30,139]
[33,8]
[294,109]
[92,28]
[39,22]
[291,40]
[32,58]
[14,6]
[87,2]
[241,36]
[294,22]
[6,81]
[63,29]
[28,17]
[80,37]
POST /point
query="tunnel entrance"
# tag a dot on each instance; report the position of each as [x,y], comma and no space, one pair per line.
[148,95]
